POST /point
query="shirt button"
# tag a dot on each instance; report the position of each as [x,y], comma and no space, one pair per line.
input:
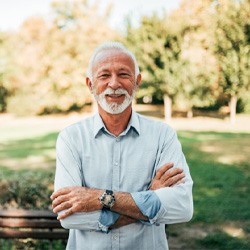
[115,237]
[116,163]
[117,139]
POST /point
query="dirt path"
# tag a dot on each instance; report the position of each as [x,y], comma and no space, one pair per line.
[43,124]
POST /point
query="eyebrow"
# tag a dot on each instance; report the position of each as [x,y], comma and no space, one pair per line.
[125,69]
[102,71]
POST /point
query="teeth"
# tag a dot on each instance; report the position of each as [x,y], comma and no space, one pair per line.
[114,95]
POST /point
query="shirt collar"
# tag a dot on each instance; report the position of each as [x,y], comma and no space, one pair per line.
[133,122]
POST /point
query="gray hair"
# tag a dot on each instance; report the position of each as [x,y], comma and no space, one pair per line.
[111,46]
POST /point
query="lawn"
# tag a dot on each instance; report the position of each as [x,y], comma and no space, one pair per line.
[219,164]
[220,167]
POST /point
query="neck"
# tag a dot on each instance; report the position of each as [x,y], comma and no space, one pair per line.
[116,124]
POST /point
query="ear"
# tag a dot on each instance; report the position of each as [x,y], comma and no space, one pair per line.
[89,84]
[138,81]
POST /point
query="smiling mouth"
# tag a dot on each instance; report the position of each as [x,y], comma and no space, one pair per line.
[115,95]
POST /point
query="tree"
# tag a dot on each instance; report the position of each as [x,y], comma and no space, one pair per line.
[232,48]
[174,57]
[7,68]
[199,87]
[159,54]
[53,58]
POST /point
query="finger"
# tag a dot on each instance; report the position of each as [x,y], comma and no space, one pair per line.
[61,191]
[167,175]
[62,206]
[65,214]
[173,180]
[179,182]
[162,170]
[59,200]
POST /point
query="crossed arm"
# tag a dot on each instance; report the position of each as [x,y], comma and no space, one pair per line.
[81,199]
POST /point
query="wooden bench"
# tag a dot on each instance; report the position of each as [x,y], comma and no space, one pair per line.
[35,224]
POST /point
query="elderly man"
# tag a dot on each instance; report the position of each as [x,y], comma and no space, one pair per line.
[120,177]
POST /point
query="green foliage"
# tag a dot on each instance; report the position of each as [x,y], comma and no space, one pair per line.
[6,68]
[21,184]
[29,244]
[222,241]
[195,55]
[26,189]
[231,45]
[173,56]
[3,97]
[53,58]
[158,54]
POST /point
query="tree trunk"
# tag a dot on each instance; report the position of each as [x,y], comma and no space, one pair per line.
[190,113]
[167,108]
[233,103]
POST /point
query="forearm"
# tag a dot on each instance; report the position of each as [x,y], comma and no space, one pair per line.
[125,205]
[82,221]
[123,220]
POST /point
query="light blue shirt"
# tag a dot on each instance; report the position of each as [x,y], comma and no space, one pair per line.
[88,155]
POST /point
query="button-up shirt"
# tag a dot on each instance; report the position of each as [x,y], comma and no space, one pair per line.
[89,155]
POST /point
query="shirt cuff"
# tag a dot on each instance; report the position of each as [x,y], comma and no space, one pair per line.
[148,203]
[107,219]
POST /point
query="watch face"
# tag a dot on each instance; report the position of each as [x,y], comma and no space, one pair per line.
[107,199]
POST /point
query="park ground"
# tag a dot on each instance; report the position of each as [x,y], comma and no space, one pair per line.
[206,121]
[221,218]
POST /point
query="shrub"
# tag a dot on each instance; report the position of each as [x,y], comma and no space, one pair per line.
[26,189]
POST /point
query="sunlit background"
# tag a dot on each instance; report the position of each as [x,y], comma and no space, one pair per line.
[14,12]
[194,57]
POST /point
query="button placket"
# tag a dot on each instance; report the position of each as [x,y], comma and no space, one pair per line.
[116,164]
[116,184]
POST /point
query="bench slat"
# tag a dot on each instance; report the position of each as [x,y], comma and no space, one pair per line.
[35,224]
[10,223]
[14,234]
[21,213]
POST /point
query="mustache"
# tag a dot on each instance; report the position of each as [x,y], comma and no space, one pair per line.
[110,91]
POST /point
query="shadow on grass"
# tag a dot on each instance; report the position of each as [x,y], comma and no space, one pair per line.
[221,191]
[221,241]
[221,188]
[25,147]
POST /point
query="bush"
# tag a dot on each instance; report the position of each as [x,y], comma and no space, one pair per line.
[3,96]
[26,189]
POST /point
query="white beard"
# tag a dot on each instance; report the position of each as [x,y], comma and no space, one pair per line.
[114,108]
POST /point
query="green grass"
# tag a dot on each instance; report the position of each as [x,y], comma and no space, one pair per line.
[219,164]
[37,152]
[221,241]
[220,167]
[221,180]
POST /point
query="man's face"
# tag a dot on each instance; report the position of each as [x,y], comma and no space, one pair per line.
[113,81]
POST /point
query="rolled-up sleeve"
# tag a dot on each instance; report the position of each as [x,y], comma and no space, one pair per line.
[177,201]
[148,203]
[173,204]
[69,174]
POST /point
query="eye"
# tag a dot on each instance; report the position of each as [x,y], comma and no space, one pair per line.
[103,76]
[124,75]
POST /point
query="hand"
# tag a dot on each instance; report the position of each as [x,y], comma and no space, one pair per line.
[123,220]
[167,178]
[75,199]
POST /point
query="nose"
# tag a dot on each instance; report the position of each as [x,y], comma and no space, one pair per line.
[114,82]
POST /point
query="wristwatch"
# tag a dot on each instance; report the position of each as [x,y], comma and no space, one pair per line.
[107,199]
